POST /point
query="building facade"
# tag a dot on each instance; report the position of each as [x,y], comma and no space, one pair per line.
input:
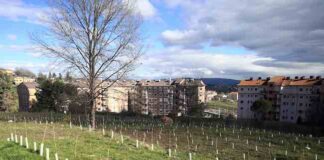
[116,98]
[292,99]
[153,97]
[188,93]
[19,80]
[210,95]
[149,97]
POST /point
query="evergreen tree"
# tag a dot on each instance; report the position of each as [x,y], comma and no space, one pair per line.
[8,94]
[60,76]
[40,78]
[54,96]
[49,75]
[262,108]
[68,77]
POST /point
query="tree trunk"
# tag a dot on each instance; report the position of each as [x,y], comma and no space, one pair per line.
[93,113]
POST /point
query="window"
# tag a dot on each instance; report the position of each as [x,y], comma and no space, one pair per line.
[242,89]
[242,101]
[241,108]
[300,104]
[301,89]
[255,89]
[291,118]
[301,97]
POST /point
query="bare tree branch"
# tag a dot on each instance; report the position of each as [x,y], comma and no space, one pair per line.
[98,38]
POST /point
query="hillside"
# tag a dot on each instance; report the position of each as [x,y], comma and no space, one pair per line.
[221,84]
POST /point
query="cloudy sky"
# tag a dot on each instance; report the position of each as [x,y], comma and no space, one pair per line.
[196,38]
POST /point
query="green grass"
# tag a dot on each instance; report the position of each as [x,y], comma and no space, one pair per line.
[181,138]
[11,151]
[223,104]
[72,143]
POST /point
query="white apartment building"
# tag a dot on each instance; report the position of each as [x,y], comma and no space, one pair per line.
[249,91]
[297,98]
[293,98]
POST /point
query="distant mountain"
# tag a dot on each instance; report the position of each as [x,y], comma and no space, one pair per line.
[221,84]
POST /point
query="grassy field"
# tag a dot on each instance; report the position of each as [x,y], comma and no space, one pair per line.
[203,141]
[223,104]
[71,143]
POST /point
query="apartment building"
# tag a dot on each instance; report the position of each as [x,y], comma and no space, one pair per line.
[188,93]
[150,97]
[7,71]
[26,95]
[210,95]
[153,97]
[233,96]
[298,97]
[117,97]
[292,98]
[18,80]
[249,91]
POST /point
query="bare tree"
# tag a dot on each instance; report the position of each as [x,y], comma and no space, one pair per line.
[99,39]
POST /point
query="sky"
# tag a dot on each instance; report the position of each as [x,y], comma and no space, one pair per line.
[195,38]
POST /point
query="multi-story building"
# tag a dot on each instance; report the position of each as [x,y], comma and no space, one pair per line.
[210,95]
[117,97]
[249,91]
[7,71]
[298,96]
[26,95]
[154,97]
[292,98]
[233,96]
[19,80]
[189,93]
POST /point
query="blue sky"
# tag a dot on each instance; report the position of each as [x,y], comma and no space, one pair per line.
[195,38]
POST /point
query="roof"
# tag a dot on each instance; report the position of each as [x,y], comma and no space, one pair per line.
[258,82]
[154,83]
[121,83]
[304,82]
[276,80]
[189,82]
[282,81]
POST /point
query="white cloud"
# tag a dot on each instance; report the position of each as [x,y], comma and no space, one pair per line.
[35,67]
[177,62]
[17,10]
[283,30]
[145,8]
[12,37]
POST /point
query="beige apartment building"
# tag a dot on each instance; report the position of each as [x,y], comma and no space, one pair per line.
[210,95]
[150,97]
[7,71]
[188,93]
[19,80]
[117,97]
[292,98]
[26,95]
